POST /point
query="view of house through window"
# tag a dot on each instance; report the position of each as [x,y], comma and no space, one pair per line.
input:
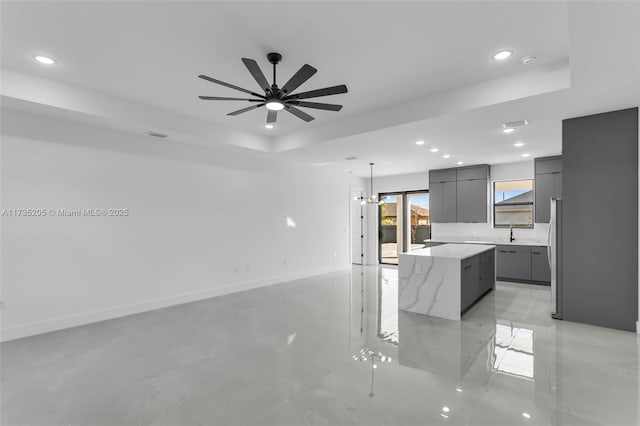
[404,223]
[513,204]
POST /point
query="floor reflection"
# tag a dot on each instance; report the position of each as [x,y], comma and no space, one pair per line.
[507,359]
[514,351]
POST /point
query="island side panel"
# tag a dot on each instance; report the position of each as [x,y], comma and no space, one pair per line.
[429,286]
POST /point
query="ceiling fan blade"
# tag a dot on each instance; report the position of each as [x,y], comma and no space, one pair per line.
[272,116]
[240,111]
[256,72]
[298,113]
[298,78]
[218,98]
[316,105]
[231,86]
[334,90]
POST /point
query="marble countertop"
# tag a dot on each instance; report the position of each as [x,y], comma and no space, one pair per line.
[451,251]
[488,240]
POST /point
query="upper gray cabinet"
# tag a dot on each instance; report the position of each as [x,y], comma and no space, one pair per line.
[548,184]
[472,194]
[459,194]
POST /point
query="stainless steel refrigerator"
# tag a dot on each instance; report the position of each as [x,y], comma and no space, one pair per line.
[554,255]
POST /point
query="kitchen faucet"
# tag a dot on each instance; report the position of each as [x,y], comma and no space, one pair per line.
[511,239]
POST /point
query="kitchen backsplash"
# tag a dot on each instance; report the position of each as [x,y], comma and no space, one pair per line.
[480,231]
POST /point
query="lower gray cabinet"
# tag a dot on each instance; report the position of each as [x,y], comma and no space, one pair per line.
[487,271]
[540,270]
[514,262]
[523,263]
[469,281]
[477,276]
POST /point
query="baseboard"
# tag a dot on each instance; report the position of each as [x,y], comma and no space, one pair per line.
[68,321]
[638,327]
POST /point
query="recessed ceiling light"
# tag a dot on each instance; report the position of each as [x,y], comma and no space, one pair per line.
[44,60]
[459,163]
[528,60]
[458,390]
[269,126]
[526,415]
[509,130]
[502,55]
[444,415]
[526,154]
[518,144]
[446,409]
[420,143]
[446,156]
[434,150]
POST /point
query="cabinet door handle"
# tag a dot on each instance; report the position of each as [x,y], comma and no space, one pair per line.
[536,252]
[467,267]
[503,251]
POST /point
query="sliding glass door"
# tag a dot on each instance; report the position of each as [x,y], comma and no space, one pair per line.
[390,228]
[404,224]
[419,223]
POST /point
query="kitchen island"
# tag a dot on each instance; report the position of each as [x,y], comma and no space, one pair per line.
[445,280]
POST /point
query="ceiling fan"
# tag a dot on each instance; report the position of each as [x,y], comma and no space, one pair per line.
[278,98]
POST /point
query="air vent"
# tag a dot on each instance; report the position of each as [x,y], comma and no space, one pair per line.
[512,124]
[350,158]
[157,135]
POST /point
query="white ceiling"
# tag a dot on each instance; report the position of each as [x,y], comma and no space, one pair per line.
[388,53]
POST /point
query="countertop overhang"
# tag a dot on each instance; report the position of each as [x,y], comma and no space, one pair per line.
[451,251]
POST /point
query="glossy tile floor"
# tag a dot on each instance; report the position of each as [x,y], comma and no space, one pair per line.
[329,350]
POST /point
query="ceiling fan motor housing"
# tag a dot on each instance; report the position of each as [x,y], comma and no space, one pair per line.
[274,58]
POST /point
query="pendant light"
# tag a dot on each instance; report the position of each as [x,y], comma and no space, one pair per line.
[373,198]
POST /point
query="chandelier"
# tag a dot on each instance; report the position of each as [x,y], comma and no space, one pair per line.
[373,198]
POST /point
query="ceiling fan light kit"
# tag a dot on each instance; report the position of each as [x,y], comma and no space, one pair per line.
[279,98]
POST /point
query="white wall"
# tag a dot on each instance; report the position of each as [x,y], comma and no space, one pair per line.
[201,223]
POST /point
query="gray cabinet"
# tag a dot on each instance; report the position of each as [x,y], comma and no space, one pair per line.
[523,263]
[459,194]
[477,276]
[514,262]
[472,201]
[487,271]
[442,202]
[600,162]
[540,270]
[469,281]
[548,184]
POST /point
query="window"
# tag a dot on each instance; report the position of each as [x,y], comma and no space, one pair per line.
[513,204]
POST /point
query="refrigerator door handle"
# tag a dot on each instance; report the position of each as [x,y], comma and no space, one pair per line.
[551,223]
